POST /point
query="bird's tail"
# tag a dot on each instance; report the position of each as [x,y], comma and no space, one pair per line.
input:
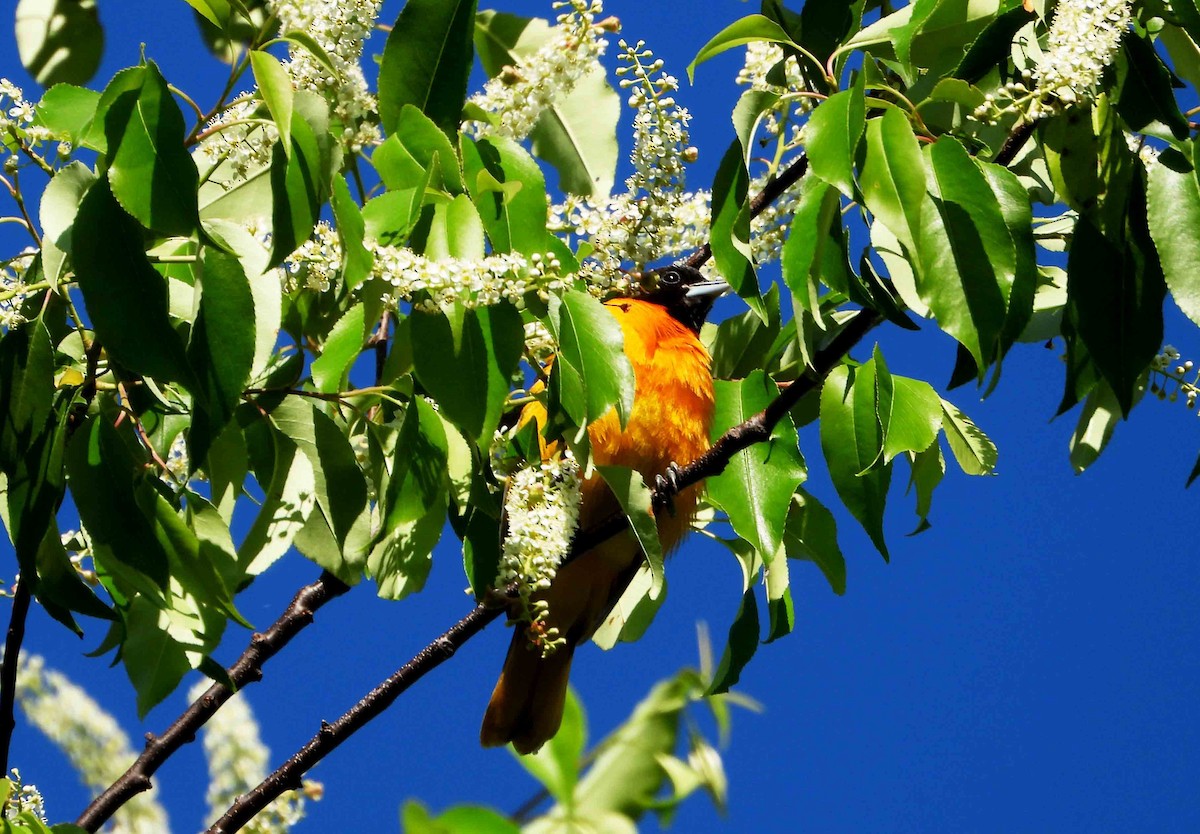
[527,703]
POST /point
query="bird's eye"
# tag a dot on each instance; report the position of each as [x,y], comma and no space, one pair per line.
[670,278]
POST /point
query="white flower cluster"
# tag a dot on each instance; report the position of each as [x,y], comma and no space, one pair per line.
[1083,39]
[542,510]
[16,121]
[13,289]
[90,738]
[24,799]
[687,230]
[316,263]
[339,27]
[237,762]
[473,282]
[761,58]
[521,93]
[1147,153]
[638,228]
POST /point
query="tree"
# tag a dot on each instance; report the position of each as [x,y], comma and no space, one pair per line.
[320,304]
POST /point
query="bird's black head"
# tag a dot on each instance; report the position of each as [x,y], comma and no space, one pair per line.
[687,294]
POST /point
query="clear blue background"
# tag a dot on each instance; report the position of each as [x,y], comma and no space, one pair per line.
[1028,664]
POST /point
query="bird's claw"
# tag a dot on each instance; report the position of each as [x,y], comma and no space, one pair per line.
[666,487]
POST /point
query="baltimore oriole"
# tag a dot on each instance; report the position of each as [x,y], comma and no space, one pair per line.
[668,425]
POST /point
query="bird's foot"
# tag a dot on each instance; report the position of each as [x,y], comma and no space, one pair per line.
[666,487]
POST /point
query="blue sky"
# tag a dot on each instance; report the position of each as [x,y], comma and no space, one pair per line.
[1028,664]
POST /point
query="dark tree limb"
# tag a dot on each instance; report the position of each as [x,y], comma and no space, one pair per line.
[755,430]
[8,672]
[247,669]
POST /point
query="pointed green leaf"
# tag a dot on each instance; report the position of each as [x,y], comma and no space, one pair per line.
[426,61]
[975,452]
[591,369]
[757,485]
[811,535]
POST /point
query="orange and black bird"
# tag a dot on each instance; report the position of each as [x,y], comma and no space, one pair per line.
[668,426]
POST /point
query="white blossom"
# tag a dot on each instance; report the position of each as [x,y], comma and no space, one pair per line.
[13,288]
[468,281]
[519,94]
[541,506]
[1084,36]
[339,27]
[24,798]
[316,264]
[761,58]
[90,738]
[237,762]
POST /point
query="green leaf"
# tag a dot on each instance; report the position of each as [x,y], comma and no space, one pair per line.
[59,40]
[152,175]
[416,146]
[67,110]
[967,256]
[892,178]
[414,506]
[626,777]
[852,442]
[462,819]
[222,348]
[301,180]
[289,486]
[426,62]
[942,30]
[741,343]
[591,372]
[338,481]
[927,470]
[514,214]
[102,474]
[59,585]
[341,348]
[916,417]
[465,359]
[217,12]
[752,28]
[757,485]
[275,87]
[781,611]
[126,297]
[1114,302]
[803,257]
[975,452]
[730,234]
[576,133]
[351,231]
[1099,416]
[991,50]
[832,137]
[154,660]
[634,496]
[59,206]
[811,535]
[1173,204]
[556,765]
[743,642]
[1147,98]
[633,612]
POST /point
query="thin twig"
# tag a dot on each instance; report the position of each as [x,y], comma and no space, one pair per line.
[8,672]
[757,429]
[247,669]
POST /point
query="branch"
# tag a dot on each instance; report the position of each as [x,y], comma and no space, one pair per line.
[247,669]
[772,191]
[8,672]
[755,430]
[288,776]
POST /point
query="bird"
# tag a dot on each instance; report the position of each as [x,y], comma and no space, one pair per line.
[667,427]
